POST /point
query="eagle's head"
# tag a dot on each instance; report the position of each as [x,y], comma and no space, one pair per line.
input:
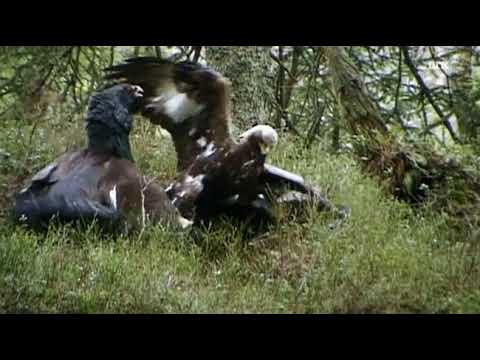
[263,135]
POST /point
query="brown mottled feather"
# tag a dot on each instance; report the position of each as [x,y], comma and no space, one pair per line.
[201,84]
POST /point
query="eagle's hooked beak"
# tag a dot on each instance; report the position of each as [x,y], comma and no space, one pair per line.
[268,139]
[265,148]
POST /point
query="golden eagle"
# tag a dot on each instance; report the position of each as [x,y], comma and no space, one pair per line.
[215,172]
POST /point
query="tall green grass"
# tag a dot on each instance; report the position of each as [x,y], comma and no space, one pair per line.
[385,258]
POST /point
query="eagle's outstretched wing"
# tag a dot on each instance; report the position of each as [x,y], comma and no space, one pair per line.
[155,76]
[189,100]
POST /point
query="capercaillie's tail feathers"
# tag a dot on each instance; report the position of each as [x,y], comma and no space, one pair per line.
[37,211]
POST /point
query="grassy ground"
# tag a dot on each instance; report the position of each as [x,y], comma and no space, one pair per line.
[384,259]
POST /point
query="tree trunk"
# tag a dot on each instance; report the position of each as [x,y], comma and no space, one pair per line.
[462,86]
[411,172]
[247,67]
[286,79]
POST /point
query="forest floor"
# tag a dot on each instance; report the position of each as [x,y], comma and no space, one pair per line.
[386,258]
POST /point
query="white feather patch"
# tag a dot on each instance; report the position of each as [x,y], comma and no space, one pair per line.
[184,223]
[285,174]
[113,197]
[234,197]
[267,134]
[202,142]
[180,107]
[210,150]
[195,183]
[248,163]
[44,173]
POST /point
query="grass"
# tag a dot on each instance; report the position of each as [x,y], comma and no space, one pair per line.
[385,259]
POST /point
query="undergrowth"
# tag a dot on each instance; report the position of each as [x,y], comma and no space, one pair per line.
[385,258]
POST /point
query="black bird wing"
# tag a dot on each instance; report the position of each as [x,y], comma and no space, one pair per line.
[46,176]
[55,191]
[37,211]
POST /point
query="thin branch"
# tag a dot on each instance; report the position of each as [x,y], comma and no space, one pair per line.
[399,83]
[432,126]
[449,89]
[424,112]
[279,62]
[294,75]
[313,131]
[426,91]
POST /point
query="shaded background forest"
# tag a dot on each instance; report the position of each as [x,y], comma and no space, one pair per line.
[429,92]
